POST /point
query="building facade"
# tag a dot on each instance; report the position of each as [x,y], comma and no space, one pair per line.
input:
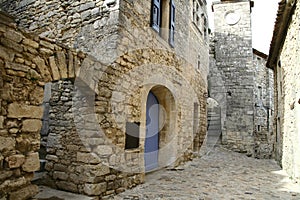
[240,82]
[284,60]
[118,88]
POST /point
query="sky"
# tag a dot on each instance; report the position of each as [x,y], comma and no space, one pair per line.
[263,19]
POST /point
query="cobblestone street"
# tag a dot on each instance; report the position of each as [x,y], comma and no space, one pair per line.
[220,174]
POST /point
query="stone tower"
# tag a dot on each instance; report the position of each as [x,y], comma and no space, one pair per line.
[234,62]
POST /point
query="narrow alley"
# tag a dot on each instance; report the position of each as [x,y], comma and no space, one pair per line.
[220,174]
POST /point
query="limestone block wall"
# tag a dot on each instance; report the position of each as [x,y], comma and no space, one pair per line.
[287,100]
[95,161]
[264,108]
[137,34]
[86,142]
[26,63]
[234,58]
[88,25]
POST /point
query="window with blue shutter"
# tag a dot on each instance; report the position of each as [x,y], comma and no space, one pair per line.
[156,12]
[163,19]
[172,23]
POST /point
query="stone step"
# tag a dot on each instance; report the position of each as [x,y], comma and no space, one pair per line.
[214,122]
[214,134]
[213,117]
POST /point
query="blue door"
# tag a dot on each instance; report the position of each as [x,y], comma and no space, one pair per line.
[152,135]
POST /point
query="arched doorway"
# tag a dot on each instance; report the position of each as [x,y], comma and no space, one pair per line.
[152,133]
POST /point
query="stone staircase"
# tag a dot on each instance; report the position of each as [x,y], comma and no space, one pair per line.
[214,127]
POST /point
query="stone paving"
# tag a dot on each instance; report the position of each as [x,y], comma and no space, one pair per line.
[219,174]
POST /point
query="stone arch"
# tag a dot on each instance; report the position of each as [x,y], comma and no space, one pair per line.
[27,63]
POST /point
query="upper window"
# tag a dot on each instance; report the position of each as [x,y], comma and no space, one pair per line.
[199,17]
[163,19]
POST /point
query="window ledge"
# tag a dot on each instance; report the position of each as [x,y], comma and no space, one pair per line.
[137,150]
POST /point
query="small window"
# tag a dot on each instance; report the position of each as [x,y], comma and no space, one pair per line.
[199,18]
[198,62]
[132,139]
[260,92]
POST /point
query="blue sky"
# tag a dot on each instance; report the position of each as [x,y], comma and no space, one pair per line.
[263,18]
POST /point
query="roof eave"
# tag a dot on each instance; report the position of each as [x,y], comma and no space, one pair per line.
[284,15]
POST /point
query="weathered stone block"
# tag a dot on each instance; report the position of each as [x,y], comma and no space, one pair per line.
[60,167]
[62,64]
[54,68]
[71,69]
[86,6]
[7,143]
[24,193]
[31,125]
[49,166]
[104,150]
[95,189]
[16,110]
[37,96]
[12,45]
[30,43]
[88,158]
[67,186]
[1,122]
[11,184]
[33,75]
[24,145]
[32,162]
[13,35]
[6,54]
[17,66]
[5,175]
[85,15]
[15,161]
[25,3]
[54,141]
[60,175]
[52,158]
[42,68]
[93,170]
[46,51]
[47,44]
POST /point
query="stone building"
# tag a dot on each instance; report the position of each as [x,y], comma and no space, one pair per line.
[123,85]
[240,82]
[284,60]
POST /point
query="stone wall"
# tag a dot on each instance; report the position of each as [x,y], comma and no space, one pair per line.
[26,64]
[190,45]
[93,101]
[88,25]
[234,59]
[287,102]
[264,108]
